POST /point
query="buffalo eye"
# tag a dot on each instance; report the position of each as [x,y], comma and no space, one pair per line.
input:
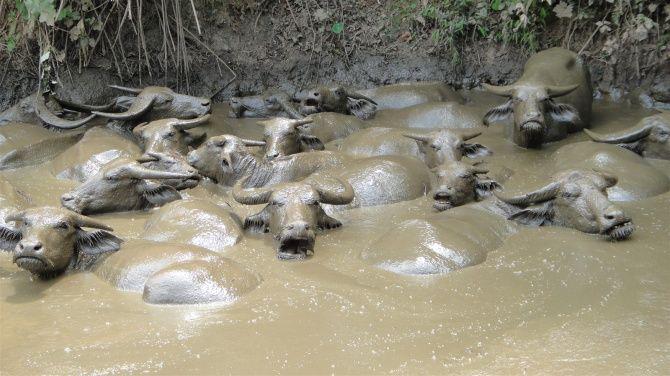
[571,192]
[220,144]
[62,225]
[435,147]
[171,134]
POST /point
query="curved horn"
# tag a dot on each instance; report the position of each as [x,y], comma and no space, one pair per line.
[469,135]
[418,137]
[84,221]
[139,172]
[298,122]
[557,91]
[49,118]
[503,91]
[361,96]
[248,142]
[146,158]
[137,109]
[340,193]
[15,217]
[543,194]
[627,135]
[128,89]
[250,196]
[86,107]
[191,123]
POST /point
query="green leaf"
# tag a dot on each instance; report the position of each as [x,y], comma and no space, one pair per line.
[11,43]
[496,5]
[337,28]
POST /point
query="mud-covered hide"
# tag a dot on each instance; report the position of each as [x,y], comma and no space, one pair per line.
[24,145]
[432,115]
[24,111]
[637,178]
[197,222]
[329,126]
[408,94]
[168,273]
[433,148]
[98,147]
[11,201]
[553,97]
[650,137]
[459,183]
[380,180]
[439,244]
[336,99]
[271,103]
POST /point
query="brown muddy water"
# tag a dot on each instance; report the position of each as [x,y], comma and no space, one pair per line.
[544,300]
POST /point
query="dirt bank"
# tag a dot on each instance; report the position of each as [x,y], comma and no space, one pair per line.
[293,46]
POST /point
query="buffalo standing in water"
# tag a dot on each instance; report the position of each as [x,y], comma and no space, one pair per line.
[549,74]
[650,137]
[293,212]
[122,186]
[575,198]
[49,241]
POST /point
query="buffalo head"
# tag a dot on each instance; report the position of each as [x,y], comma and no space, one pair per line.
[268,104]
[172,162]
[47,240]
[169,135]
[293,212]
[448,145]
[530,104]
[219,155]
[284,137]
[577,199]
[122,186]
[337,99]
[459,183]
[649,138]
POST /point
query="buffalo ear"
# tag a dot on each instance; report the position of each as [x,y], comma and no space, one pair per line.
[475,150]
[563,112]
[159,194]
[498,113]
[9,238]
[91,245]
[257,222]
[309,142]
[361,108]
[483,187]
[327,222]
[538,215]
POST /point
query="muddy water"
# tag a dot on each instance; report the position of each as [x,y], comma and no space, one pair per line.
[544,301]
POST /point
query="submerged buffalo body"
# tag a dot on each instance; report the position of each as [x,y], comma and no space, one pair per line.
[432,115]
[650,137]
[408,94]
[293,213]
[337,99]
[576,199]
[549,74]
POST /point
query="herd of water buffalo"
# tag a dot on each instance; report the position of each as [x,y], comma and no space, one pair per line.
[292,174]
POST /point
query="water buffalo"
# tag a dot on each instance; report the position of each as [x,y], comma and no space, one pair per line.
[122,185]
[49,241]
[406,94]
[172,162]
[576,199]
[549,74]
[337,99]
[27,145]
[433,148]
[269,104]
[650,137]
[36,109]
[459,183]
[227,159]
[293,212]
[169,135]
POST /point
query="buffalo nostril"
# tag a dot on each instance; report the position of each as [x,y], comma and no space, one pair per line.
[21,246]
[67,197]
[290,227]
[37,246]
[271,156]
[307,227]
[316,94]
[205,103]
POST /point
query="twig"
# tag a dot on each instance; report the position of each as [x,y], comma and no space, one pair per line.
[195,15]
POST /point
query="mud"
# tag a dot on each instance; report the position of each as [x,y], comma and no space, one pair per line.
[398,288]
